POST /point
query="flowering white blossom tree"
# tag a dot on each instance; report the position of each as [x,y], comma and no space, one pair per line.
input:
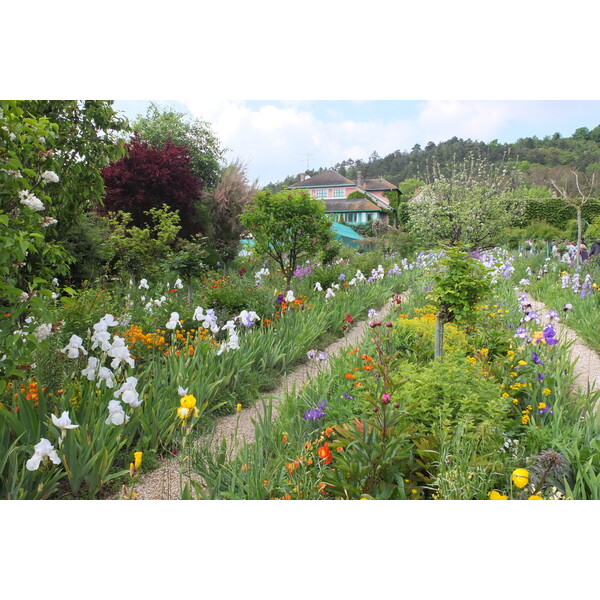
[467,203]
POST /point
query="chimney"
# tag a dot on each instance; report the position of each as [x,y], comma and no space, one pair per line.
[359,179]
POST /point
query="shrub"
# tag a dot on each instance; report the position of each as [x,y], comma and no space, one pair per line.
[451,392]
[414,338]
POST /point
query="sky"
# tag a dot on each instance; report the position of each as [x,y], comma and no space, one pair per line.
[284,137]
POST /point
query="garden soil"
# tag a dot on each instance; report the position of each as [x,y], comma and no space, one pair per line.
[164,482]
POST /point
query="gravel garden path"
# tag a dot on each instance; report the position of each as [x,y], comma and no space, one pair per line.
[164,482]
[585,360]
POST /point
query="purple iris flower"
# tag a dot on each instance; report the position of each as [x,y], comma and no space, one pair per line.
[550,335]
[540,377]
[315,413]
[521,332]
[536,359]
[347,397]
[342,277]
[548,409]
[280,299]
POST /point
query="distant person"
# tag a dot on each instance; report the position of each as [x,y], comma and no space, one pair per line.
[595,251]
[583,251]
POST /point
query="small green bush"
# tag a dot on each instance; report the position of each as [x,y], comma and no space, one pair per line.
[450,392]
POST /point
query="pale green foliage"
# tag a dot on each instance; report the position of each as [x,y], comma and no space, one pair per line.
[469,203]
[137,250]
[289,227]
[161,125]
[592,233]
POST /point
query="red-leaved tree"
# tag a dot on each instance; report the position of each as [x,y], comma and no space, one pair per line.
[149,177]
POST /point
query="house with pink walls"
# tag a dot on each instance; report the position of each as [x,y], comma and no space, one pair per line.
[334,189]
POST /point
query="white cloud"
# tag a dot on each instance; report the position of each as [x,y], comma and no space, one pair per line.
[275,138]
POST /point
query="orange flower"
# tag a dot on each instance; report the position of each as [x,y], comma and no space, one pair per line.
[284,439]
[324,453]
[350,376]
[368,367]
[353,351]
[328,431]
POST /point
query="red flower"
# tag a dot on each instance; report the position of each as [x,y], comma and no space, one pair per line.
[324,453]
[349,319]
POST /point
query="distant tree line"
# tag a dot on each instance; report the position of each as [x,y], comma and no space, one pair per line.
[530,157]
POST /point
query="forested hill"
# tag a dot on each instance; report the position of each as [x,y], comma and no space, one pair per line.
[530,155]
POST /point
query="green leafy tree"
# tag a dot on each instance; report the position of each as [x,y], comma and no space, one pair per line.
[289,227]
[51,153]
[467,203]
[459,282]
[162,125]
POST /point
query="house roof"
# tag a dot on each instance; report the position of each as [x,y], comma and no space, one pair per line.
[343,231]
[378,184]
[356,204]
[329,177]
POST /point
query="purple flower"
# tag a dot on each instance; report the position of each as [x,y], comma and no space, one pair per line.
[347,397]
[521,332]
[547,409]
[315,413]
[553,314]
[342,277]
[280,299]
[536,359]
[540,377]
[550,335]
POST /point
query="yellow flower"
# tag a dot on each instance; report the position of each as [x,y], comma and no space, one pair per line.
[535,497]
[510,353]
[183,412]
[137,458]
[513,374]
[546,391]
[187,408]
[238,407]
[494,495]
[520,477]
[188,401]
[522,363]
[541,405]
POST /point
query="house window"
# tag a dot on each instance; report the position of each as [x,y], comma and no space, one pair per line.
[369,216]
[339,193]
[321,193]
[350,217]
